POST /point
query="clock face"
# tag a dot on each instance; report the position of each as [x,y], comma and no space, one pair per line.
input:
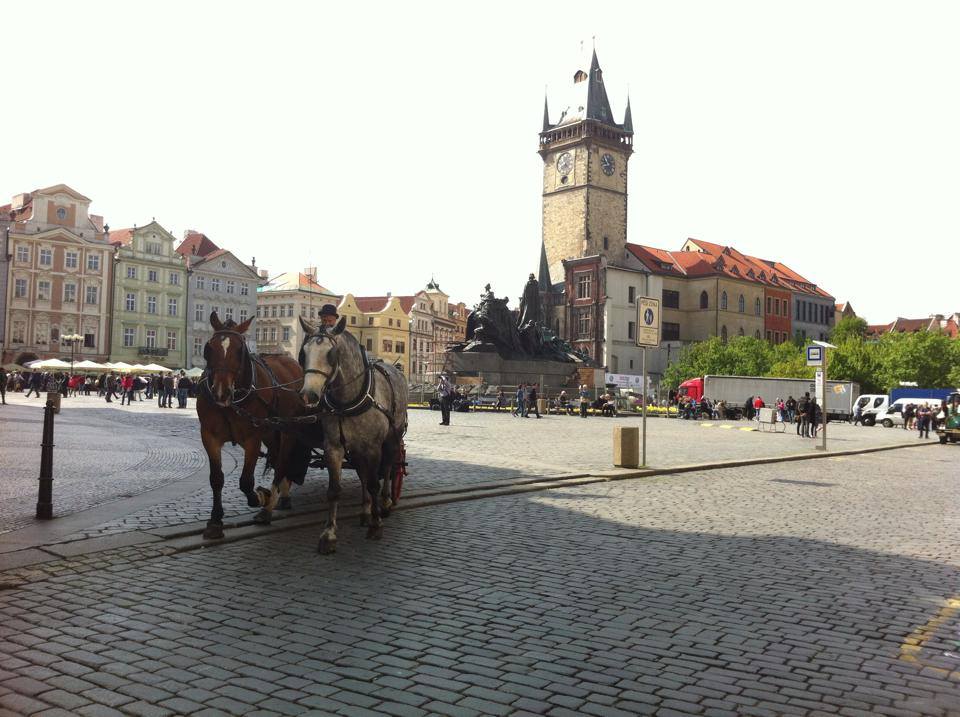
[565,163]
[607,164]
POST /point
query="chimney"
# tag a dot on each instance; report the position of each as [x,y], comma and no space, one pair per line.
[389,294]
[263,274]
[311,272]
[19,200]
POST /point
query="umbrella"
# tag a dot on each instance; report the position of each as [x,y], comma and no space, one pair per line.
[88,365]
[14,367]
[156,367]
[52,364]
[120,366]
[195,372]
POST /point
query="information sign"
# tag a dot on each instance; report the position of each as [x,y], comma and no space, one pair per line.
[814,356]
[648,321]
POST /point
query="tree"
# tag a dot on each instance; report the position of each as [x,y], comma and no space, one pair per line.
[849,327]
[924,357]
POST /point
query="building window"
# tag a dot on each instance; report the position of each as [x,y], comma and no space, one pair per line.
[131,272]
[152,275]
[174,279]
[215,284]
[89,341]
[228,313]
[671,331]
[273,334]
[23,254]
[723,334]
[353,320]
[671,299]
[369,344]
[631,330]
[93,262]
[198,312]
[756,334]
[71,260]
[129,337]
[201,281]
[769,337]
[273,312]
[740,332]
[131,302]
[154,248]
[584,282]
[40,334]
[231,287]
[151,338]
[197,346]
[151,304]
[704,300]
[172,340]
[91,293]
[258,312]
[244,289]
[69,293]
[631,294]
[741,304]
[243,315]
[20,289]
[387,346]
[46,257]
[286,333]
[769,305]
[43,290]
[171,307]
[19,331]
[756,306]
[369,321]
[723,301]
[583,324]
[399,347]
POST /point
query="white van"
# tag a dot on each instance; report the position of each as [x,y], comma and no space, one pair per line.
[893,415]
[871,405]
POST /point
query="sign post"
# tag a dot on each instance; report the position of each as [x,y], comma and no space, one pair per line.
[817,355]
[648,334]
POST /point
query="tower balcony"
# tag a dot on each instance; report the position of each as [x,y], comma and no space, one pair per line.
[586,129]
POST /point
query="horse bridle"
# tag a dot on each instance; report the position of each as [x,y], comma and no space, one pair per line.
[337,372]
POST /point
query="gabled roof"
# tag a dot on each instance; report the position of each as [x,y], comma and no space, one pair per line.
[196,244]
[62,189]
[372,304]
[121,237]
[295,281]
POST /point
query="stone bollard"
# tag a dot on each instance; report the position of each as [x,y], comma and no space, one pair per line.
[626,446]
[542,406]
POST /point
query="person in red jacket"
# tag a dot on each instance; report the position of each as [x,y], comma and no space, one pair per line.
[126,386]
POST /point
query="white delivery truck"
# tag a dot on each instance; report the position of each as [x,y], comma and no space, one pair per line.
[735,390]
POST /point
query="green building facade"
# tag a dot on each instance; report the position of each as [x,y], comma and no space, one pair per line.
[149,298]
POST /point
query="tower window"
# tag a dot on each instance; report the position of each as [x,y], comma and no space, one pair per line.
[704,300]
[584,282]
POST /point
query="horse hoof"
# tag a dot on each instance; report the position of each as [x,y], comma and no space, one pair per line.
[213,532]
[375,532]
[285,503]
[327,546]
[262,517]
[261,496]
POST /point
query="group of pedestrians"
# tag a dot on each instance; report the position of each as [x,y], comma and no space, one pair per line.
[527,395]
[128,388]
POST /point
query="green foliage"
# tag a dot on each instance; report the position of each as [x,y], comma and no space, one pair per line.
[930,359]
[849,327]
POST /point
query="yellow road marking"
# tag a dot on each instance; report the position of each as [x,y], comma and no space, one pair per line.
[726,426]
[746,428]
[708,425]
[916,640]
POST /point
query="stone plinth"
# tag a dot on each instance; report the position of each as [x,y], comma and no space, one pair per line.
[497,371]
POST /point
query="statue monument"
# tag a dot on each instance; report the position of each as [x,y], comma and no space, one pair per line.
[504,349]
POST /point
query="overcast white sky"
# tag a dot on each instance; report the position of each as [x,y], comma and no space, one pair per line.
[388,142]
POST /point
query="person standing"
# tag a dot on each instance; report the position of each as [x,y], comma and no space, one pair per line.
[923,420]
[791,406]
[584,400]
[183,389]
[168,385]
[3,386]
[501,399]
[813,413]
[445,394]
[802,405]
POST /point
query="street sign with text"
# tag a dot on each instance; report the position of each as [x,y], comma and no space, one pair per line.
[648,321]
[814,355]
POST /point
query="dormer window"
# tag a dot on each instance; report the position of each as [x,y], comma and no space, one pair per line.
[61,213]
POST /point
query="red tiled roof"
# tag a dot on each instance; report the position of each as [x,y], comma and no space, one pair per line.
[97,221]
[370,304]
[911,325]
[406,303]
[121,237]
[196,244]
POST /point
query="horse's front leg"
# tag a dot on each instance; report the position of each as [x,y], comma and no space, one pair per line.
[251,454]
[328,538]
[212,445]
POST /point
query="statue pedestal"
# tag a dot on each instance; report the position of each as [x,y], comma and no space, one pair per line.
[497,371]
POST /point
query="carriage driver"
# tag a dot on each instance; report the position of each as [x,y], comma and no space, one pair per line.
[328,316]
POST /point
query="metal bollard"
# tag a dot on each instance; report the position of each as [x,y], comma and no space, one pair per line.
[45,496]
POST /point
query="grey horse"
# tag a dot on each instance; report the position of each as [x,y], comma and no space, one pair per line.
[362,409]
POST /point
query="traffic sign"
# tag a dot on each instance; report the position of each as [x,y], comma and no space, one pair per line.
[819,390]
[814,355]
[648,321]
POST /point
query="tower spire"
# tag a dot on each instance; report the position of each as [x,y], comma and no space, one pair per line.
[628,117]
[546,112]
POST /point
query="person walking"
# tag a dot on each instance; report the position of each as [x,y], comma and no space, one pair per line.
[519,410]
[501,400]
[802,425]
[168,386]
[3,386]
[126,389]
[532,400]
[858,414]
[33,384]
[445,394]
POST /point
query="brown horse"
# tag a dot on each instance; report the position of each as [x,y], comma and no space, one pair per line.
[240,390]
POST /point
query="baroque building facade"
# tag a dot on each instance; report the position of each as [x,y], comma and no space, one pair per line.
[281,302]
[59,273]
[149,297]
[217,281]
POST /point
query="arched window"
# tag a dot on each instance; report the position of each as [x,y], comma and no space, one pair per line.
[756,306]
[723,332]
[723,301]
[704,300]
[740,332]
[741,304]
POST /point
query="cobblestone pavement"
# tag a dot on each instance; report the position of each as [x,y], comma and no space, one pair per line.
[789,589]
[106,451]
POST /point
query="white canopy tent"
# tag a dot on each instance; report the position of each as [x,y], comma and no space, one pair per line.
[51,364]
[195,372]
[88,365]
[157,367]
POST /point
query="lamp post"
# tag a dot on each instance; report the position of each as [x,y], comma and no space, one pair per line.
[73,340]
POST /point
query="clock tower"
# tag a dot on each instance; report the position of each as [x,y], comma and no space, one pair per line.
[585,158]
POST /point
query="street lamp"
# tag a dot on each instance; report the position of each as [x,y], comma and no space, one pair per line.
[73,340]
